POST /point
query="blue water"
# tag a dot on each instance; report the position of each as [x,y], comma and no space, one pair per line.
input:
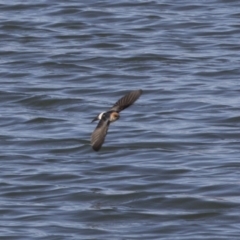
[169,167]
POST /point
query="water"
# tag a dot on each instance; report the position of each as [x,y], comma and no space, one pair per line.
[169,168]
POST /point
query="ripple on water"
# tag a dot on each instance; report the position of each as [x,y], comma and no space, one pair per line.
[168,169]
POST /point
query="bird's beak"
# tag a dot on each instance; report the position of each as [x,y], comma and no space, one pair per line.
[95,119]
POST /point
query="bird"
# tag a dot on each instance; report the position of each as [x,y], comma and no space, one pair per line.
[105,118]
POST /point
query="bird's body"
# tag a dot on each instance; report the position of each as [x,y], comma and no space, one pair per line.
[105,118]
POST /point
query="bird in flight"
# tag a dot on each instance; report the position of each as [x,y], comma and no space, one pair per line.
[105,118]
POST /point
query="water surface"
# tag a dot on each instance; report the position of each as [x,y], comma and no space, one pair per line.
[169,168]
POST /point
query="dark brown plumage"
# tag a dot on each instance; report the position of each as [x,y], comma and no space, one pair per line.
[99,134]
[126,101]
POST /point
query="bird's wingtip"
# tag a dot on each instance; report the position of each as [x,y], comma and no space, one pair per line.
[96,149]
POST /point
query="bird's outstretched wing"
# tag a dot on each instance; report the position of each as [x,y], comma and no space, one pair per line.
[127,100]
[99,134]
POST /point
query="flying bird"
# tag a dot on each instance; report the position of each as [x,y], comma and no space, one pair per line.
[105,118]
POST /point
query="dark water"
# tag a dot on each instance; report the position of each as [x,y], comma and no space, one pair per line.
[170,167]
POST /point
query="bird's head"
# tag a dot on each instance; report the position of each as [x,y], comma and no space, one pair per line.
[98,117]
